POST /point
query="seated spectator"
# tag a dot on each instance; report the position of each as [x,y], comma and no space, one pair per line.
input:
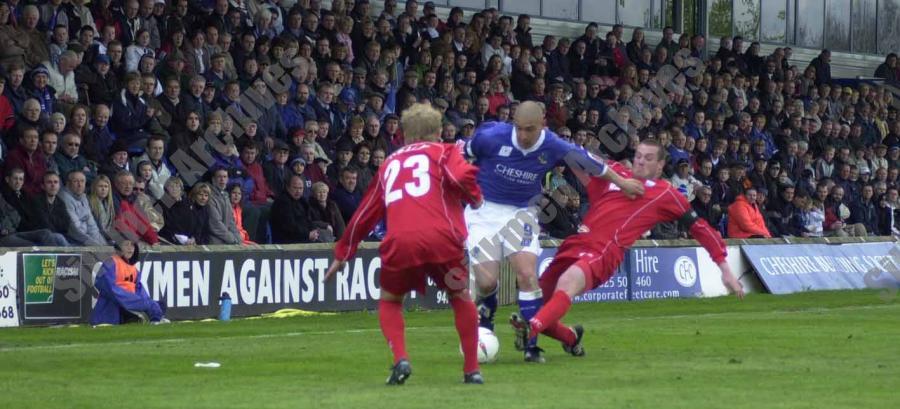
[236,195]
[343,159]
[837,216]
[276,169]
[131,115]
[298,167]
[362,160]
[117,160]
[11,236]
[83,230]
[99,139]
[103,207]
[160,168]
[29,158]
[323,210]
[703,205]
[121,292]
[69,158]
[184,223]
[291,216]
[745,219]
[316,168]
[346,194]
[147,203]
[48,211]
[130,222]
[561,223]
[222,228]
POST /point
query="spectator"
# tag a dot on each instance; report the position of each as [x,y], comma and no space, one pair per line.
[222,227]
[291,216]
[83,228]
[131,115]
[28,157]
[745,219]
[236,194]
[864,211]
[46,212]
[183,224]
[11,232]
[102,206]
[324,210]
[276,169]
[146,204]
[703,205]
[130,222]
[69,159]
[837,216]
[346,194]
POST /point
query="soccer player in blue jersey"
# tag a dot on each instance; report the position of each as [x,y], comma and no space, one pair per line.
[513,160]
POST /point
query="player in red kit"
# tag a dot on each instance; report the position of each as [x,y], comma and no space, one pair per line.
[613,223]
[420,191]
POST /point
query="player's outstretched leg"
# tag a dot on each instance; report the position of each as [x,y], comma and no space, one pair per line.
[569,337]
[390,316]
[571,283]
[466,319]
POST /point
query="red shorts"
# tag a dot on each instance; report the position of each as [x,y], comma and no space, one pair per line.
[451,276]
[599,263]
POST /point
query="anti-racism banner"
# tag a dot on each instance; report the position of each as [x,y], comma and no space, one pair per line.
[190,284]
[51,289]
[809,267]
[9,282]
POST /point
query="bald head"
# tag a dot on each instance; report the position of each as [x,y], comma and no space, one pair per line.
[529,120]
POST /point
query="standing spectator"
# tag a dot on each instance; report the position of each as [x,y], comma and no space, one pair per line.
[290,215]
[822,63]
[83,228]
[222,228]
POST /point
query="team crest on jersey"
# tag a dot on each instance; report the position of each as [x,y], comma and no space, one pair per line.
[542,159]
[505,150]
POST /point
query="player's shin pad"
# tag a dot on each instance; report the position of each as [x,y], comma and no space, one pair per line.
[530,303]
[487,308]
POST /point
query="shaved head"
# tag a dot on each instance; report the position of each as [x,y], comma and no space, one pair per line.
[529,120]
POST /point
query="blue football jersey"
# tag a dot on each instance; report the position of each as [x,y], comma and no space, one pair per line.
[512,176]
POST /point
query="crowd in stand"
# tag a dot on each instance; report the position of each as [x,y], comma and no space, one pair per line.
[263,121]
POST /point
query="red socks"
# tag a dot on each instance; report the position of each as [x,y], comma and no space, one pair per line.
[553,311]
[467,326]
[561,333]
[390,315]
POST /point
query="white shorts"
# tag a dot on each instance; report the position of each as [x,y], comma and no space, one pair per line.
[496,231]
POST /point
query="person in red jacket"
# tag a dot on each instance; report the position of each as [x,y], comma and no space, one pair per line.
[131,222]
[28,157]
[424,182]
[744,218]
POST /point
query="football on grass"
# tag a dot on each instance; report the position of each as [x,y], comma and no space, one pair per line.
[488,346]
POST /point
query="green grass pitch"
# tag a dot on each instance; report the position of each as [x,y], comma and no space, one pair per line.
[813,350]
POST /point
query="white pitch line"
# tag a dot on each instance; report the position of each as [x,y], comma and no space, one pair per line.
[749,314]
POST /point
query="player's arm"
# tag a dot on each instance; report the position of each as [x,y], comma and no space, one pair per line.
[463,176]
[586,165]
[712,241]
[370,211]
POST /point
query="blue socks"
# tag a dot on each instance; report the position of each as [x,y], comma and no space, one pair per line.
[487,307]
[529,304]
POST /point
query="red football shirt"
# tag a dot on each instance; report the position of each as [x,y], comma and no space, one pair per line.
[614,217]
[421,191]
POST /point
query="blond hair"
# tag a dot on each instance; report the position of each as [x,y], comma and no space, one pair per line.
[421,123]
